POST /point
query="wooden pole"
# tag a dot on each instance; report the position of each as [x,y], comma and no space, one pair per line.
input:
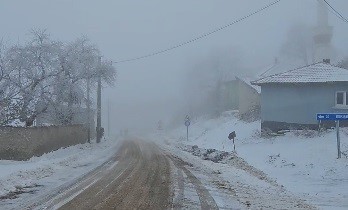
[187,133]
[88,112]
[99,103]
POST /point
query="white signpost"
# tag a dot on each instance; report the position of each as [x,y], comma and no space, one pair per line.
[336,117]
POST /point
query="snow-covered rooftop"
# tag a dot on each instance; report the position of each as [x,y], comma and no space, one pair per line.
[248,80]
[315,73]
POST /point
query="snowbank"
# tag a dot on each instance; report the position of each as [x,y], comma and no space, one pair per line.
[304,162]
[42,174]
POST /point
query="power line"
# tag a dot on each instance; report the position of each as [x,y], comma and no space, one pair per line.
[339,14]
[199,37]
[335,12]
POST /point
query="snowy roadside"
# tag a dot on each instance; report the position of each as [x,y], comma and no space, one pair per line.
[304,163]
[23,180]
[307,166]
[245,184]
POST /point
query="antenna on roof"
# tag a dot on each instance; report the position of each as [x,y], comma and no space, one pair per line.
[269,69]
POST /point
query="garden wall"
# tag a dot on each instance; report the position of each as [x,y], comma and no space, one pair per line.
[17,143]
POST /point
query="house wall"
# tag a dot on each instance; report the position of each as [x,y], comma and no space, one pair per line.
[230,95]
[284,106]
[24,143]
[249,98]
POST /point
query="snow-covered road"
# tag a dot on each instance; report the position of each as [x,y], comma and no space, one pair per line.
[160,173]
[139,175]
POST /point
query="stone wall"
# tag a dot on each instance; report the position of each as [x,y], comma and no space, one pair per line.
[24,143]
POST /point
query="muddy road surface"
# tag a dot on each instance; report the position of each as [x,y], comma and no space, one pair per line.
[138,177]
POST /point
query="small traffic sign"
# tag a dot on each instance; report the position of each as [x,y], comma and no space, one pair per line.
[187,124]
[332,116]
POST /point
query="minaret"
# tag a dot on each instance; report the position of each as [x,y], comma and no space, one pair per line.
[322,35]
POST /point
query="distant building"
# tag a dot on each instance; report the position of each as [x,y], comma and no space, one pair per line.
[229,95]
[249,98]
[291,100]
[239,94]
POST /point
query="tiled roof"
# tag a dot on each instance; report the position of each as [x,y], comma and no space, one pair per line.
[315,73]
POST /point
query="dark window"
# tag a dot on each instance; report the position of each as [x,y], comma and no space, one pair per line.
[339,98]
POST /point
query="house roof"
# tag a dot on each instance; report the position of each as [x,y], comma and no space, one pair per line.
[247,80]
[315,73]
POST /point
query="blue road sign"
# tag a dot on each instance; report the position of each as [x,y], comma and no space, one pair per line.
[187,123]
[332,116]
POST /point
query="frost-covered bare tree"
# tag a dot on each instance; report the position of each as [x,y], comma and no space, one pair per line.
[33,68]
[7,93]
[44,75]
[79,62]
[75,60]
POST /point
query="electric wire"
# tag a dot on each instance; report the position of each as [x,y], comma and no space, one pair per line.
[201,36]
[335,12]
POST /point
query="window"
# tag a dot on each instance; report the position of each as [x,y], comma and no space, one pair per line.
[341,99]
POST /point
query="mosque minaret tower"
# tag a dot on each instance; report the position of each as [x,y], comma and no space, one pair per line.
[322,35]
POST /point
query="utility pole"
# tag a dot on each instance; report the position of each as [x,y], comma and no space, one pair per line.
[88,109]
[108,117]
[99,103]
[338,139]
[186,133]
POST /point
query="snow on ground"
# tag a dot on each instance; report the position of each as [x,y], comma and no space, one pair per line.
[305,162]
[42,174]
[246,187]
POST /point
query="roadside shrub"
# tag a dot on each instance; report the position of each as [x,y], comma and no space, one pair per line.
[251,116]
[307,133]
[267,133]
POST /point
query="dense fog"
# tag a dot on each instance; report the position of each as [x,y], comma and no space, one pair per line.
[170,85]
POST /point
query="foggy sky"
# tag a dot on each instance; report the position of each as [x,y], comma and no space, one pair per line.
[152,89]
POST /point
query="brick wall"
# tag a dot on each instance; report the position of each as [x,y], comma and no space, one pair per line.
[24,143]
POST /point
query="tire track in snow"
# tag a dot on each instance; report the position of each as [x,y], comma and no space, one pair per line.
[206,199]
